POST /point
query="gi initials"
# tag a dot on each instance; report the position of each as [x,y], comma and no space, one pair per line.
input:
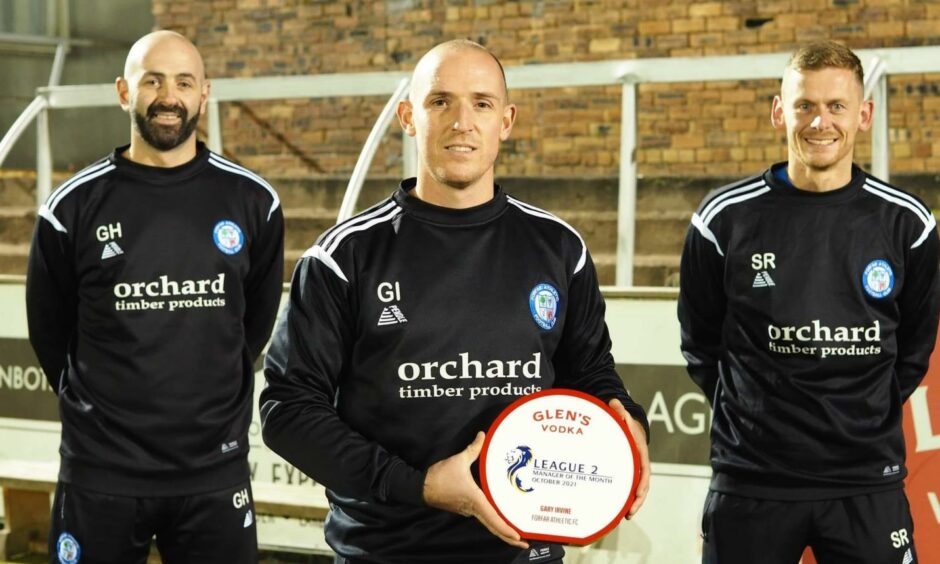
[241,499]
[389,292]
[108,232]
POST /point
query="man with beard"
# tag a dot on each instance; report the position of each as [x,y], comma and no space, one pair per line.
[808,304]
[154,278]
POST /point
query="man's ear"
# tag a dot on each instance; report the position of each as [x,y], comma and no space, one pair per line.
[120,84]
[405,113]
[867,115]
[776,113]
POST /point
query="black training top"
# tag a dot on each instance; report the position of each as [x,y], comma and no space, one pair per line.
[808,318]
[409,328]
[150,293]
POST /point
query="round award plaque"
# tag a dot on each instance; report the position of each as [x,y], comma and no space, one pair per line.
[560,466]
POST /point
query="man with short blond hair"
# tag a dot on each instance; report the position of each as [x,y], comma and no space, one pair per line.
[809,307]
[435,281]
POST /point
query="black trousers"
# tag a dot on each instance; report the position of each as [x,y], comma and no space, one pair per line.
[90,527]
[864,529]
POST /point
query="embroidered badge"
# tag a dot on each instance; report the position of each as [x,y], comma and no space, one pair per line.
[228,237]
[878,279]
[68,549]
[543,303]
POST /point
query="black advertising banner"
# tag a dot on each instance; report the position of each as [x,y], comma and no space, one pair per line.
[24,391]
[679,414]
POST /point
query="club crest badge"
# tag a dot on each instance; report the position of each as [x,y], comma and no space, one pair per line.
[543,303]
[228,237]
[68,549]
[878,279]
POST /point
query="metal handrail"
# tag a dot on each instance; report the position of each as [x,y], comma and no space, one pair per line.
[876,88]
[358,177]
[875,71]
[19,126]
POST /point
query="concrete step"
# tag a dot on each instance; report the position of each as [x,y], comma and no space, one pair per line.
[302,226]
[648,270]
[656,270]
[18,187]
[16,224]
[13,258]
[661,232]
[327,193]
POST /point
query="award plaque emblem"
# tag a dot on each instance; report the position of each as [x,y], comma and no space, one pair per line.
[560,466]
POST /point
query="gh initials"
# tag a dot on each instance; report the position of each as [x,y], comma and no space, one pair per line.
[108,232]
[240,499]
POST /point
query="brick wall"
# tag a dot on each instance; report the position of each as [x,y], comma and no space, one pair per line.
[684,128]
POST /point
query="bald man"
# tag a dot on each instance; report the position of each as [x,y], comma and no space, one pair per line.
[412,325]
[154,278]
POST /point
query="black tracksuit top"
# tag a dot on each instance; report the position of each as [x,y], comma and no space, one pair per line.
[808,319]
[409,328]
[150,293]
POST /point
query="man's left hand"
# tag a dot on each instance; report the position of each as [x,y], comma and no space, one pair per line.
[639,437]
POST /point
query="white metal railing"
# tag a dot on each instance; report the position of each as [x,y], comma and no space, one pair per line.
[358,176]
[628,73]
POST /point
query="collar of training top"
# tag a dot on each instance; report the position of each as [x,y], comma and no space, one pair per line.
[783,187]
[483,213]
[161,175]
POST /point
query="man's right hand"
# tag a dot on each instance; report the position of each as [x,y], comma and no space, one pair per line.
[449,485]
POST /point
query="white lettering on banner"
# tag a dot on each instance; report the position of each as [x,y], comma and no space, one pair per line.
[285,473]
[935,505]
[698,416]
[659,412]
[924,439]
[29,378]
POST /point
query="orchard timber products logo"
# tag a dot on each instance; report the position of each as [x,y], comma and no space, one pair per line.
[878,279]
[517,459]
[182,294]
[68,549]
[543,304]
[816,339]
[228,237]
